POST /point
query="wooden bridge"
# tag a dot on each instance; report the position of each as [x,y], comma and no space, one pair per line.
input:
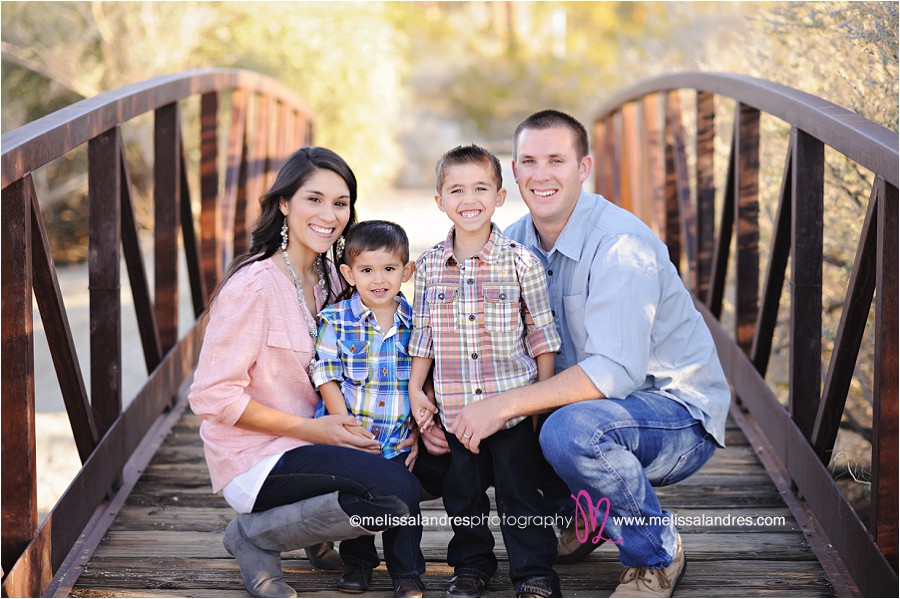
[139,518]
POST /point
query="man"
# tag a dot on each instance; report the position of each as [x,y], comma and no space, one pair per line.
[630,333]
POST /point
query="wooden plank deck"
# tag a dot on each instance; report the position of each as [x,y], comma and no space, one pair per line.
[166,541]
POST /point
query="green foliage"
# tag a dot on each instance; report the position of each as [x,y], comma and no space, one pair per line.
[344,61]
[846,52]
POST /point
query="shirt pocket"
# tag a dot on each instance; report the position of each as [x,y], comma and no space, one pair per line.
[292,359]
[575,322]
[355,358]
[404,363]
[443,308]
[501,308]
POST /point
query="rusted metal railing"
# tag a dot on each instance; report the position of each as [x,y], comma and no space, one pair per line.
[266,122]
[642,159]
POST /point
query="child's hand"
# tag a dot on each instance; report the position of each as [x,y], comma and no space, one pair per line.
[422,409]
[411,441]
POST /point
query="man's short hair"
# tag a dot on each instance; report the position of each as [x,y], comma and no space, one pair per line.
[547,119]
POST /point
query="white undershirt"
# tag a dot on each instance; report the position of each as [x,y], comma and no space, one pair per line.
[241,492]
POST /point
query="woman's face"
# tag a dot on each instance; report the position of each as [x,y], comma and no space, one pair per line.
[318,212]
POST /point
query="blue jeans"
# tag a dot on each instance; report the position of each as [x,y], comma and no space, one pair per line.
[368,485]
[507,457]
[620,450]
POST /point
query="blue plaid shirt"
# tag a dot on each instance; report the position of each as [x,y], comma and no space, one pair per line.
[371,365]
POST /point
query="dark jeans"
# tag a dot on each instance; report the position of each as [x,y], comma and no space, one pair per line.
[431,470]
[368,486]
[510,455]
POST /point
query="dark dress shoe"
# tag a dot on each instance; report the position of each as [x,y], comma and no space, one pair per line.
[409,587]
[464,585]
[324,557]
[354,579]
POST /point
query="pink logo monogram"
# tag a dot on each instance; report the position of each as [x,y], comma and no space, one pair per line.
[589,518]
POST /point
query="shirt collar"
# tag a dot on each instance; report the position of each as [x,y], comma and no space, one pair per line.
[362,312]
[488,254]
[572,239]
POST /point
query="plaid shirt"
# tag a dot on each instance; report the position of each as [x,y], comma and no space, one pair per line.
[371,365]
[482,320]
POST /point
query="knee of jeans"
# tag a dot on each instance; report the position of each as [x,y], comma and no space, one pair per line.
[392,505]
[562,438]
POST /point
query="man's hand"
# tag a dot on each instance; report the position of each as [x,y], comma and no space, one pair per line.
[478,421]
[435,441]
[422,409]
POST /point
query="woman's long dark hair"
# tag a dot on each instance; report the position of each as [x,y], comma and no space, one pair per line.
[266,237]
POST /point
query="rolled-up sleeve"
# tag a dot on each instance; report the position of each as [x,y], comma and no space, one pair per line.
[622,299]
[328,365]
[420,342]
[541,336]
[230,348]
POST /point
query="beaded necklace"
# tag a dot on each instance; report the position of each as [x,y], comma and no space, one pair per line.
[311,326]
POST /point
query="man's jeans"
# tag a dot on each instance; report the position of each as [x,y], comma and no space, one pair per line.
[620,450]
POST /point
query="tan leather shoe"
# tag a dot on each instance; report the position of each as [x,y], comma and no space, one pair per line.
[569,550]
[652,582]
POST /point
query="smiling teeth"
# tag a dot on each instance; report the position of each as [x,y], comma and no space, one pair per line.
[323,230]
[544,194]
[470,213]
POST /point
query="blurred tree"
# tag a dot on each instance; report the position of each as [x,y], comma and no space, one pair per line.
[343,60]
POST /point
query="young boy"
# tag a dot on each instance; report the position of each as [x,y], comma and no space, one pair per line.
[482,317]
[363,369]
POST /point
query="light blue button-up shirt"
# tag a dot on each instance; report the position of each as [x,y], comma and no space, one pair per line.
[623,313]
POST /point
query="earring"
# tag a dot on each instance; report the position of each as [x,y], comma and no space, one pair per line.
[284,235]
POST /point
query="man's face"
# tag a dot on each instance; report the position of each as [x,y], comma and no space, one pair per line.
[549,173]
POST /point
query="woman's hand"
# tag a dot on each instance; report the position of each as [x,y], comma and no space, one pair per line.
[339,430]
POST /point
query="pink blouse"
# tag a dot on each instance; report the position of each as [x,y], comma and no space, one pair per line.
[256,345]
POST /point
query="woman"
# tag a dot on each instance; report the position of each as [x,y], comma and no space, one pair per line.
[295,480]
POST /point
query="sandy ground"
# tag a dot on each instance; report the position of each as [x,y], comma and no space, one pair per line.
[57,457]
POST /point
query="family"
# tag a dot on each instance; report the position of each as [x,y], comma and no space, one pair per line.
[559,359]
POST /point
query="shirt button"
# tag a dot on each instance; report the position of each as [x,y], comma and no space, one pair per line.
[553,312]
[471,281]
[384,371]
[477,391]
[502,296]
[512,245]
[440,296]
[471,317]
[474,356]
[550,272]
[376,431]
[380,404]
